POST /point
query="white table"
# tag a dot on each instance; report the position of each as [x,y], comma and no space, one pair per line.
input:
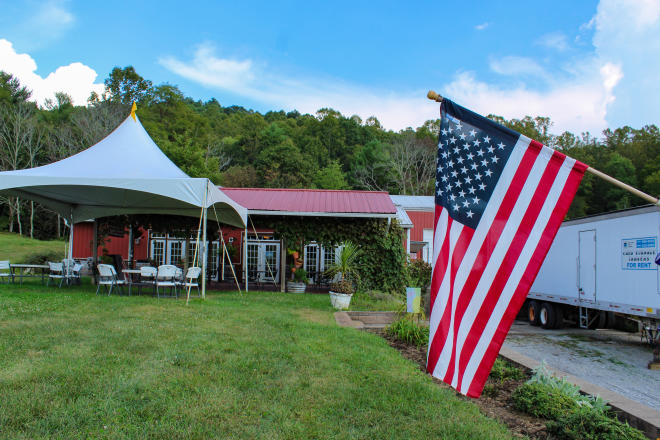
[128,276]
[21,271]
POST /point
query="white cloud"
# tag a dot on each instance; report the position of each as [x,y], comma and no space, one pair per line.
[627,33]
[43,23]
[75,79]
[243,77]
[554,40]
[482,26]
[518,66]
[578,105]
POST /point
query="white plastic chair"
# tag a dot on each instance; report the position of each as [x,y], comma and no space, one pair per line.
[192,275]
[74,274]
[108,277]
[56,272]
[4,265]
[67,269]
[166,277]
[147,277]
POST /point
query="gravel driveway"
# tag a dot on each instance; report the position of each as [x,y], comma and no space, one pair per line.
[608,358]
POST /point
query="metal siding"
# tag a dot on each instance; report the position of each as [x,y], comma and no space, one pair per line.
[83,236]
[82,239]
[421,220]
[305,200]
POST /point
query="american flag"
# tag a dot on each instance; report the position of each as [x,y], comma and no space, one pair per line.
[500,198]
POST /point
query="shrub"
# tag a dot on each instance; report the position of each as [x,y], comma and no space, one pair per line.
[418,274]
[300,276]
[587,423]
[542,376]
[408,331]
[43,257]
[503,371]
[541,400]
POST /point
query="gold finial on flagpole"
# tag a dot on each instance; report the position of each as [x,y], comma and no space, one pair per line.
[133,108]
[433,96]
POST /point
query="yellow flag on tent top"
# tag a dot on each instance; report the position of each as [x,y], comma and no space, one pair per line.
[133,108]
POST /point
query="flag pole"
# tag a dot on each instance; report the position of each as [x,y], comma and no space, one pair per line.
[433,96]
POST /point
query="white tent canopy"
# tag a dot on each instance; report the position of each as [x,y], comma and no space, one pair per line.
[125,173]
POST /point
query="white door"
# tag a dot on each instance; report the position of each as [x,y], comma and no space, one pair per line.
[158,251]
[587,264]
[427,251]
[263,260]
[175,252]
[311,261]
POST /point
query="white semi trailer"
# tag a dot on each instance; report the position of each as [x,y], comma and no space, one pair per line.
[600,267]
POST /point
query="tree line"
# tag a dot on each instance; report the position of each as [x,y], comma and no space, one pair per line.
[238,147]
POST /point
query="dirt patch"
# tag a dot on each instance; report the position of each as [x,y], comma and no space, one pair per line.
[495,402]
[316,316]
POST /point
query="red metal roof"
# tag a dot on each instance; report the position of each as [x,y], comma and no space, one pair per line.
[312,200]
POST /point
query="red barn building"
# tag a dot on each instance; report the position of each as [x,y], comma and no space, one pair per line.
[263,251]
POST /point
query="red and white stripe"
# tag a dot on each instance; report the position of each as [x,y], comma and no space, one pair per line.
[481,277]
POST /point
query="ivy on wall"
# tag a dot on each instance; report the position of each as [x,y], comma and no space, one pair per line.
[383,259]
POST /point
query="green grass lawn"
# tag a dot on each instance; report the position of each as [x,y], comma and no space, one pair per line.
[257,365]
[17,249]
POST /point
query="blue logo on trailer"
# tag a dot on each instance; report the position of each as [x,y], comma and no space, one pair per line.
[639,253]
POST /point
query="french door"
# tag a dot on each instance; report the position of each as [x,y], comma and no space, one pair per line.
[263,261]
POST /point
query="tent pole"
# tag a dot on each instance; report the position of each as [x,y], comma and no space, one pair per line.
[204,256]
[70,254]
[95,250]
[282,264]
[130,247]
[246,257]
[222,270]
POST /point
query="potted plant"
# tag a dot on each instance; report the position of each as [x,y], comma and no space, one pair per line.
[346,269]
[299,283]
[341,293]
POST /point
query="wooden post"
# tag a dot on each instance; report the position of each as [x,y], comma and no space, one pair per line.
[433,96]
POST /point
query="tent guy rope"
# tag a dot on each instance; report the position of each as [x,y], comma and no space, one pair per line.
[433,96]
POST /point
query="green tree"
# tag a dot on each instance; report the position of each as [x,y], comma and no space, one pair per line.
[331,177]
[127,86]
[11,91]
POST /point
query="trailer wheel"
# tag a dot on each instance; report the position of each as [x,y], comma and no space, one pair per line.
[547,316]
[600,321]
[533,310]
[559,316]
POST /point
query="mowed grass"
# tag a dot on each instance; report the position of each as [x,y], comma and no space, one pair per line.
[16,248]
[257,365]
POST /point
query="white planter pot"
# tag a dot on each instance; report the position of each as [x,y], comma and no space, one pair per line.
[340,301]
[293,287]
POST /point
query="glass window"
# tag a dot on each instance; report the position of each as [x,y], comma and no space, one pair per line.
[328,257]
[157,251]
[311,258]
[176,248]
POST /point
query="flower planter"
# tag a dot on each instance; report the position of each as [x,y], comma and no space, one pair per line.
[293,287]
[340,301]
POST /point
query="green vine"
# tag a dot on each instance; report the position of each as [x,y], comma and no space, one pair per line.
[382,260]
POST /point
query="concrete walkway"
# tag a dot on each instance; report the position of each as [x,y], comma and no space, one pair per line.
[637,414]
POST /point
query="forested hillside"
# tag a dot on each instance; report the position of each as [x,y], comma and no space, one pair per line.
[234,146]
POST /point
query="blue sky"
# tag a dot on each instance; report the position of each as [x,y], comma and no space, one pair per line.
[588,64]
